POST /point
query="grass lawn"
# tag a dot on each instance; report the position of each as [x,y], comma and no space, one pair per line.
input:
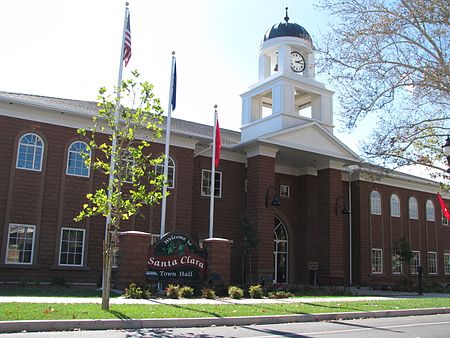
[52,291]
[29,311]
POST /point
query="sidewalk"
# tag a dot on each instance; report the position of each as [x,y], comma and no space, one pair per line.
[103,324]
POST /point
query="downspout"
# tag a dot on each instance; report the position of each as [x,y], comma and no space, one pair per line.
[350,260]
[350,169]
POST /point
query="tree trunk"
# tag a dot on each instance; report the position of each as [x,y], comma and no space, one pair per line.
[106,280]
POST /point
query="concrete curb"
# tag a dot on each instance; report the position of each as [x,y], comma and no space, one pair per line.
[105,324]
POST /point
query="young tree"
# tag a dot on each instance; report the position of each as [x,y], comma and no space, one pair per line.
[129,163]
[390,59]
[251,240]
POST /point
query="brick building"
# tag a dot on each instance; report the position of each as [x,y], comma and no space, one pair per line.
[314,205]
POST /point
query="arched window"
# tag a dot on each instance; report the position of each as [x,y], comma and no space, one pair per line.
[76,159]
[430,211]
[280,251]
[170,173]
[413,209]
[30,152]
[375,203]
[395,206]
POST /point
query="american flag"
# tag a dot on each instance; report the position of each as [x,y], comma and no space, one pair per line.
[127,43]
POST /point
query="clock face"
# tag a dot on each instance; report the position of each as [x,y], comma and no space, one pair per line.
[297,62]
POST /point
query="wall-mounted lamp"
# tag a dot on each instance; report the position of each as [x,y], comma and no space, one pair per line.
[341,207]
[275,199]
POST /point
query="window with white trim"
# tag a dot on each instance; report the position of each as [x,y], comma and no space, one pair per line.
[444,220]
[375,203]
[206,183]
[159,168]
[397,266]
[19,249]
[415,262]
[285,190]
[395,206]
[432,263]
[115,248]
[430,211]
[413,209]
[71,249]
[155,238]
[377,261]
[30,152]
[76,157]
[447,263]
[128,163]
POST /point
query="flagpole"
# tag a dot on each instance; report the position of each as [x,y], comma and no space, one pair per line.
[116,121]
[167,149]
[213,177]
[106,274]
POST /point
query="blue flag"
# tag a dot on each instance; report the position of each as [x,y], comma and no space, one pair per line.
[174,87]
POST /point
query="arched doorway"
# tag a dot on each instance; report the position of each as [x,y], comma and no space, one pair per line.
[280,251]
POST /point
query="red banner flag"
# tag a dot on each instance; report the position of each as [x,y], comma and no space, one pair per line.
[444,208]
[218,145]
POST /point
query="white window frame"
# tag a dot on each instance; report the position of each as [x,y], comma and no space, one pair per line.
[413,209]
[155,238]
[397,264]
[159,169]
[82,249]
[377,261]
[26,226]
[432,263]
[285,190]
[430,213]
[77,153]
[34,148]
[375,203]
[447,263]
[415,262]
[395,205]
[115,250]
[128,160]
[206,188]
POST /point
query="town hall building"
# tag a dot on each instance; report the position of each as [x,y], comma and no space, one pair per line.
[315,208]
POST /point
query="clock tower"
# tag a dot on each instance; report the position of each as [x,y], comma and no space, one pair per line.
[286,94]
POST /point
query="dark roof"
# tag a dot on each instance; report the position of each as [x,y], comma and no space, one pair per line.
[287,29]
[88,108]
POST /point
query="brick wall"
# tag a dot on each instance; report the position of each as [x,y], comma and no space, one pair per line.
[383,231]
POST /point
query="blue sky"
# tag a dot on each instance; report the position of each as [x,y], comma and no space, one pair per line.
[70,48]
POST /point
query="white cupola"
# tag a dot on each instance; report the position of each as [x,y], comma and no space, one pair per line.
[286,93]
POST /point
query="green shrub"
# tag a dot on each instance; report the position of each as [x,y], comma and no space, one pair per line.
[147,294]
[186,292]
[256,291]
[133,291]
[173,291]
[208,293]
[235,292]
[280,294]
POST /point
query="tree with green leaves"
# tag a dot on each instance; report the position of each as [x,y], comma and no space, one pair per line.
[389,61]
[251,240]
[403,251]
[133,182]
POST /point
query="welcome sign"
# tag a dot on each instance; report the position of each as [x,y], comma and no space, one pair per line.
[176,257]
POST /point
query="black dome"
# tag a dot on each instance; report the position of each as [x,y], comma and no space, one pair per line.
[287,29]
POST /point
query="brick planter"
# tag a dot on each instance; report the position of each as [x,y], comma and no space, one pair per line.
[133,255]
[219,258]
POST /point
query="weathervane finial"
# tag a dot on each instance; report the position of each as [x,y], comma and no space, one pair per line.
[286,18]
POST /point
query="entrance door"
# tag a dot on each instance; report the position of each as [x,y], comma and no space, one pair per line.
[280,251]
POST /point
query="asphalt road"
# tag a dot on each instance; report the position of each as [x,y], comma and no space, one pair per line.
[414,326]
